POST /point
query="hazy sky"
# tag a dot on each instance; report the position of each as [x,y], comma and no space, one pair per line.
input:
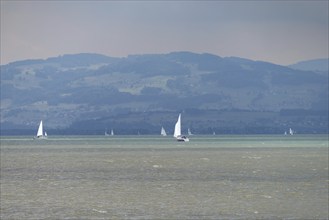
[282,32]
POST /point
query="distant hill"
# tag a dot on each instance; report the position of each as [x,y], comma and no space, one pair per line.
[88,93]
[317,65]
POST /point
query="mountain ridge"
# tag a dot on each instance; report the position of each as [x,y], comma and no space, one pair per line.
[80,88]
[317,65]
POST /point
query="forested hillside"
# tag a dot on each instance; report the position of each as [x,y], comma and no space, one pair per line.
[88,93]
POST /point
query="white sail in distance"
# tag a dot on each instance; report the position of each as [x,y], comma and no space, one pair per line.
[163,132]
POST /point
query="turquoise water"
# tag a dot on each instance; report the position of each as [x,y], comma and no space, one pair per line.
[151,177]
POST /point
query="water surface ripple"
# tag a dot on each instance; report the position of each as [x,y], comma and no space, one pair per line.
[149,177]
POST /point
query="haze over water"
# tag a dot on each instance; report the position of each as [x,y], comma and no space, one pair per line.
[150,177]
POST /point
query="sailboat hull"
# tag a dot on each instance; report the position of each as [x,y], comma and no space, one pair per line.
[40,137]
[182,139]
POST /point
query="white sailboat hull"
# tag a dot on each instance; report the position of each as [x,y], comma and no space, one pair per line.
[40,137]
[183,138]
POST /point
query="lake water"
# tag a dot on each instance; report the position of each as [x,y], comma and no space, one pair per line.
[150,177]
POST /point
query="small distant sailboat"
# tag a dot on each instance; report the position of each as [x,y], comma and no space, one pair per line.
[189,131]
[163,132]
[107,134]
[177,134]
[291,132]
[40,134]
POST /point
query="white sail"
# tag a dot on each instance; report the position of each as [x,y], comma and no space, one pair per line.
[163,132]
[178,127]
[177,134]
[112,132]
[291,132]
[189,132]
[40,130]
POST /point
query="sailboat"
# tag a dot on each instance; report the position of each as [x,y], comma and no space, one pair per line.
[163,132]
[107,134]
[291,132]
[40,134]
[178,131]
[189,132]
